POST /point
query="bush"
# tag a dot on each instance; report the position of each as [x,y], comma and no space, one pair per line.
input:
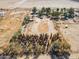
[26,20]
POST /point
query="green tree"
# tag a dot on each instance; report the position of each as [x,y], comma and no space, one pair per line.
[62,11]
[71,13]
[26,20]
[57,9]
[55,14]
[48,11]
[40,14]
[34,10]
[15,36]
[43,10]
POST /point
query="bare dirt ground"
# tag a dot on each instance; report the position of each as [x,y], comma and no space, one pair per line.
[44,57]
[43,27]
[71,34]
[40,26]
[9,26]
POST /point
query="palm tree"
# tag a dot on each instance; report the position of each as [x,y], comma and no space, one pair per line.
[71,13]
[26,20]
[55,14]
[64,13]
[57,9]
[48,11]
[40,14]
[43,10]
[34,10]
[62,10]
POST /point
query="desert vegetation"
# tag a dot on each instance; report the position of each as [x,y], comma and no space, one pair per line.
[57,13]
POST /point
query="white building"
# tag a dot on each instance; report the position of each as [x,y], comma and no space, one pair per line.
[2,13]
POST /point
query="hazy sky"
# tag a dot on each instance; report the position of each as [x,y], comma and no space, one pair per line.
[38,3]
[76,0]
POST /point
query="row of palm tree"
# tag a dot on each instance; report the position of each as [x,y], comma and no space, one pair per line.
[67,13]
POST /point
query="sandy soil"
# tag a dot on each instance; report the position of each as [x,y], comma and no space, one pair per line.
[71,34]
[44,57]
[43,27]
[9,26]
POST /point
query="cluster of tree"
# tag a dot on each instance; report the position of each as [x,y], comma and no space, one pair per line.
[32,44]
[37,44]
[53,13]
[60,48]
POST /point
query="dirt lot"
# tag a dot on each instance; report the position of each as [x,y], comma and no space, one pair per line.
[43,27]
[40,26]
[9,26]
[71,34]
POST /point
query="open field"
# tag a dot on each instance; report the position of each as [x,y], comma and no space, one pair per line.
[40,26]
[9,25]
[71,35]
